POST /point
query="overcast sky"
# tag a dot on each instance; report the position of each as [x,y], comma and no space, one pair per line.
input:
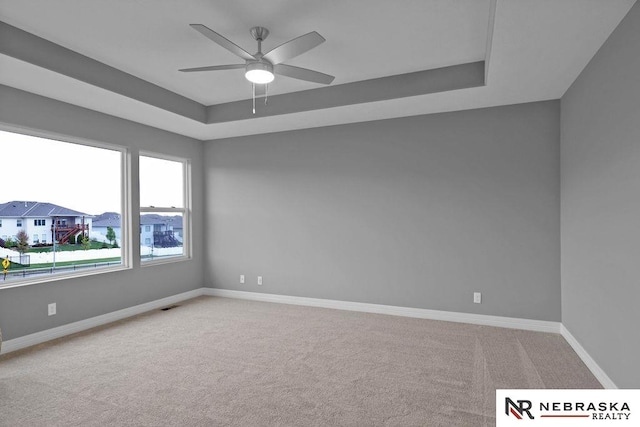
[81,178]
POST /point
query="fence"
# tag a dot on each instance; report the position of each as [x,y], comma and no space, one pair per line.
[22,259]
[29,272]
[80,255]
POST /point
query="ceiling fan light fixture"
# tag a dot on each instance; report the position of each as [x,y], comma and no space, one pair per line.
[259,72]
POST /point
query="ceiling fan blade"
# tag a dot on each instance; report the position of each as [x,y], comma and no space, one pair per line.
[294,47]
[213,68]
[222,41]
[302,74]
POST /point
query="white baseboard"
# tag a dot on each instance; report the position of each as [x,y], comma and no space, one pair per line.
[421,313]
[477,319]
[595,369]
[82,325]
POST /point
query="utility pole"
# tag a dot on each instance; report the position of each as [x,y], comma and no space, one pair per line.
[54,242]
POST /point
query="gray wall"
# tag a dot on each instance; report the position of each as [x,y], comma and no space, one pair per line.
[23,310]
[416,212]
[601,205]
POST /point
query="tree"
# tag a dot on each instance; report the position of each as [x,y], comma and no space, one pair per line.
[111,235]
[9,243]
[86,243]
[23,241]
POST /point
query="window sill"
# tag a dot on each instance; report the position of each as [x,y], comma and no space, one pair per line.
[160,261]
[60,276]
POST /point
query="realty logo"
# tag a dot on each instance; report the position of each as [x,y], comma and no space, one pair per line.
[518,409]
[567,408]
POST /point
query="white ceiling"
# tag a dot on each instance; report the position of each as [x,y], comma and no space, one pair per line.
[535,49]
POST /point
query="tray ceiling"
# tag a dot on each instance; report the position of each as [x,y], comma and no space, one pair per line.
[528,50]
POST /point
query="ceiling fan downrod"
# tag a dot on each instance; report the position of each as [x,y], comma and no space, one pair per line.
[260,34]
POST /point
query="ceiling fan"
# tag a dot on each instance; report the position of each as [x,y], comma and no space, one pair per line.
[260,68]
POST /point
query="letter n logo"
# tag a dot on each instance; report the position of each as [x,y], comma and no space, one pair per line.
[518,410]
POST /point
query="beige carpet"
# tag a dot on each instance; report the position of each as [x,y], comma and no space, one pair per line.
[218,362]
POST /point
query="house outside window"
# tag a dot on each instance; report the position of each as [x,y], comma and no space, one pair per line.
[18,223]
[164,208]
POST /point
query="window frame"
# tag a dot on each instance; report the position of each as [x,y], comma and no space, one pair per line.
[125,205]
[186,210]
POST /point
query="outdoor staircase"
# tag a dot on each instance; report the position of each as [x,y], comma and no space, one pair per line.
[165,239]
[63,233]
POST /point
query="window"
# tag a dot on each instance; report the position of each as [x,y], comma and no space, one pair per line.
[164,208]
[59,186]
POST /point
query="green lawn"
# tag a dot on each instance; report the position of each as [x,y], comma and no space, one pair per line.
[64,248]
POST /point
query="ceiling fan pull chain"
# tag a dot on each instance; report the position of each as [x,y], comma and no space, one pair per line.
[253,87]
[266,93]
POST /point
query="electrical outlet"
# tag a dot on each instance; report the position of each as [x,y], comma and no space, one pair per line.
[259,280]
[477,297]
[242,278]
[52,309]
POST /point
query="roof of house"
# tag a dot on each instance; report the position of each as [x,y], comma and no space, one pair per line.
[107,219]
[150,219]
[23,209]
[113,219]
